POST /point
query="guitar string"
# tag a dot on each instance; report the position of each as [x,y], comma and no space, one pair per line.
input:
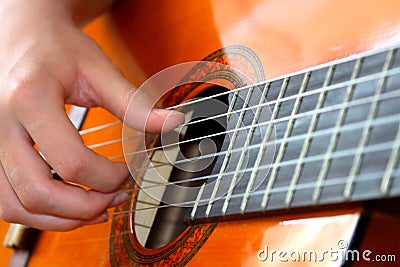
[307,185]
[388,95]
[368,177]
[365,177]
[348,127]
[99,127]
[385,96]
[318,67]
[360,80]
[301,186]
[236,111]
[315,158]
[128,231]
[357,81]
[336,62]
[203,178]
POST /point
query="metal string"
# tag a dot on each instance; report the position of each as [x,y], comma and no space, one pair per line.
[366,177]
[367,100]
[367,78]
[337,154]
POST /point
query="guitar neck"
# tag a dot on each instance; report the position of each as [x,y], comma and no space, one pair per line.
[323,136]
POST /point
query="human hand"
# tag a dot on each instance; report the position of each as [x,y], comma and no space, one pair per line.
[45,62]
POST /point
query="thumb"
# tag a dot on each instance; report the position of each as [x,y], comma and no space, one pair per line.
[133,106]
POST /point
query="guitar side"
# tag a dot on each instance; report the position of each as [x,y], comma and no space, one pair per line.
[287,36]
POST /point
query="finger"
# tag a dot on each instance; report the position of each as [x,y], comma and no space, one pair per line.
[32,182]
[62,147]
[42,114]
[116,94]
[12,211]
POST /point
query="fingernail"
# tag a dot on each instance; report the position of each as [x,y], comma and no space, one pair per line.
[172,119]
[119,199]
[162,112]
[159,111]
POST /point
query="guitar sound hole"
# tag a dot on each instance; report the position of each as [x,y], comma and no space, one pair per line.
[167,221]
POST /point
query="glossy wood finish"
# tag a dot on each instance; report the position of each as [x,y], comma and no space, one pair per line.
[238,243]
[143,38]
[5,253]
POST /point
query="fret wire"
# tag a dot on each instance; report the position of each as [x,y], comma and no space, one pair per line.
[307,141]
[394,71]
[329,182]
[332,87]
[347,59]
[335,62]
[353,103]
[227,155]
[384,96]
[245,149]
[354,126]
[233,91]
[335,154]
[365,177]
[230,108]
[394,156]
[356,173]
[335,134]
[260,154]
[367,130]
[391,72]
[281,151]
[196,203]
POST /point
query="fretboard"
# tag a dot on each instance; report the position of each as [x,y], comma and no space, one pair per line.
[323,136]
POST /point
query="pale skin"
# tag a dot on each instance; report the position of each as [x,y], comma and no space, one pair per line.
[45,62]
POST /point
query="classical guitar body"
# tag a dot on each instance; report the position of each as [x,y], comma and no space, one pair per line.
[264,40]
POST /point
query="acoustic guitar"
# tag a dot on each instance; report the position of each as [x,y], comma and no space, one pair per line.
[299,101]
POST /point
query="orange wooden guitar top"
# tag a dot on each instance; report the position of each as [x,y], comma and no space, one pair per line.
[145,37]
